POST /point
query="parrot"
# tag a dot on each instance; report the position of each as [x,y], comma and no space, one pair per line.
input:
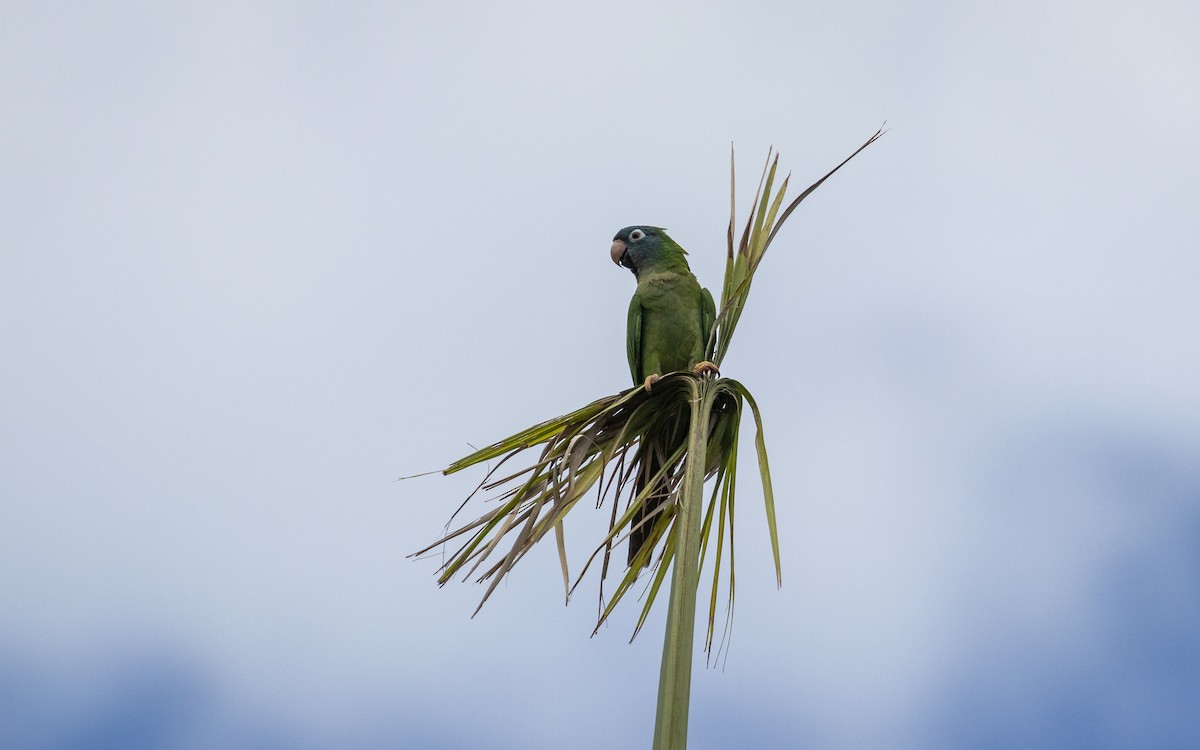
[670,319]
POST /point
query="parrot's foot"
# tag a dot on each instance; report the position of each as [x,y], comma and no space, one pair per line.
[651,380]
[706,368]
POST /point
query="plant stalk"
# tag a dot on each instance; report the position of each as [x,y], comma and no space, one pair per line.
[675,676]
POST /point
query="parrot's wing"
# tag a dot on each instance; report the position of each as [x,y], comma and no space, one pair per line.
[633,339]
[708,317]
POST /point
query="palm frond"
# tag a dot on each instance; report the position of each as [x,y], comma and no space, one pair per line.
[763,223]
[596,448]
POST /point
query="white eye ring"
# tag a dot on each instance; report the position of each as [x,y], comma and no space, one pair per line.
[636,235]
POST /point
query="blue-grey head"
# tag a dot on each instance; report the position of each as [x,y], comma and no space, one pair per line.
[638,246]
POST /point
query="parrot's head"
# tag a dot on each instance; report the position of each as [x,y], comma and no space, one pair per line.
[638,247]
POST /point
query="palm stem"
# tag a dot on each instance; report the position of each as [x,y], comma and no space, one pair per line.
[675,677]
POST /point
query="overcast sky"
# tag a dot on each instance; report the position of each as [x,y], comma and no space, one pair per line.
[259,260]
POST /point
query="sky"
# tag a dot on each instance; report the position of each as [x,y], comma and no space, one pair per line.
[259,260]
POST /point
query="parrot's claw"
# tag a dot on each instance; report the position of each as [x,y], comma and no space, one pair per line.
[706,368]
[651,380]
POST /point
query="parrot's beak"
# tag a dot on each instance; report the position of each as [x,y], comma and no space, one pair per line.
[618,251]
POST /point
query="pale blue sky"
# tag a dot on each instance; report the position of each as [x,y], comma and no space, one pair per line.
[258,260]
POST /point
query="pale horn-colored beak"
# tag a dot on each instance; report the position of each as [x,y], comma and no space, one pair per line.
[618,251]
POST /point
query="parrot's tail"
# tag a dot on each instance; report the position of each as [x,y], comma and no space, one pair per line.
[656,449]
[646,515]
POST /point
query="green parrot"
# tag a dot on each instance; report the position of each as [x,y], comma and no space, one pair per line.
[670,318]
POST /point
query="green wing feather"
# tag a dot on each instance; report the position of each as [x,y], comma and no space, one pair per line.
[633,339]
[708,316]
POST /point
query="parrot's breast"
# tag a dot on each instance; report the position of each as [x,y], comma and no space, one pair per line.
[671,322]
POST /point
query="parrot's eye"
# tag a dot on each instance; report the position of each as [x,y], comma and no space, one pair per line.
[636,235]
